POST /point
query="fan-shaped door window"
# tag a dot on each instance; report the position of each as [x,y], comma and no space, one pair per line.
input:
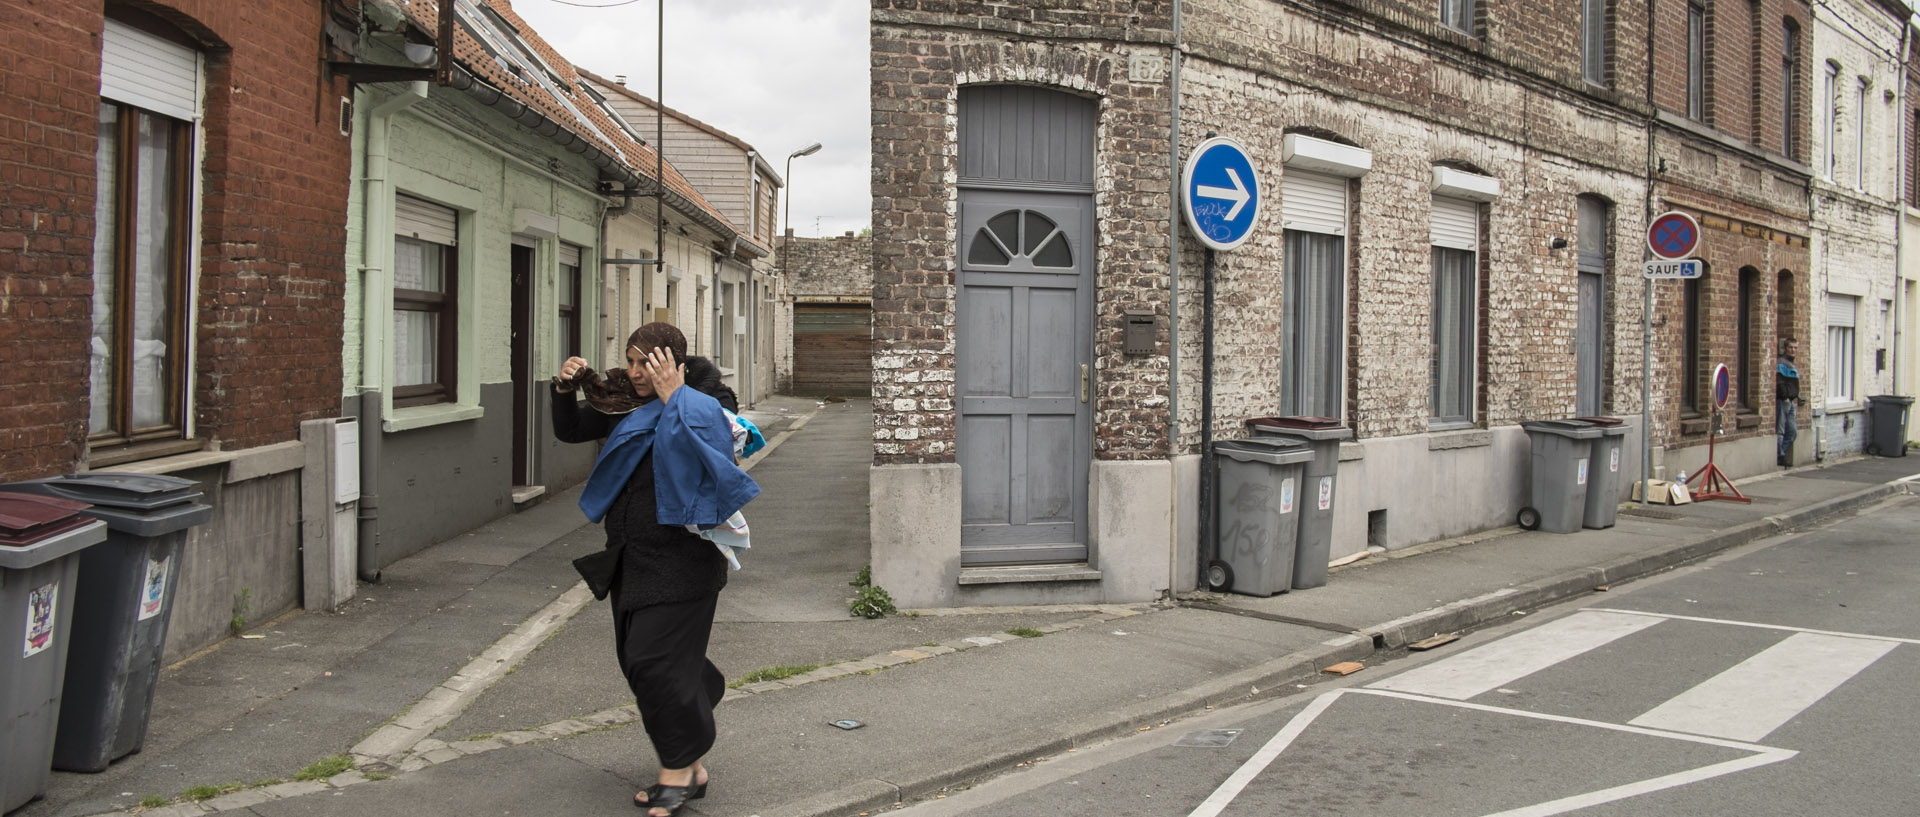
[1016,235]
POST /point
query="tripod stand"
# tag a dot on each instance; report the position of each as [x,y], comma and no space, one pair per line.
[1714,483]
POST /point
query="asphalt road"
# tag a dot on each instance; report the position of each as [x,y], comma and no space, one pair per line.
[1777,679]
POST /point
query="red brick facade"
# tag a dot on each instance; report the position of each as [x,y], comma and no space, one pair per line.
[271,195]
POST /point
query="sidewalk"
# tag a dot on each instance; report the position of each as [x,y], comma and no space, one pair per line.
[478,678]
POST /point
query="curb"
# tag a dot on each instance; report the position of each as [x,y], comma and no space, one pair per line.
[1272,678]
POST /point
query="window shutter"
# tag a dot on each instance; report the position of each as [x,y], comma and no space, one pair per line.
[570,255]
[1313,202]
[150,72]
[424,220]
[1456,224]
[1840,309]
[1593,235]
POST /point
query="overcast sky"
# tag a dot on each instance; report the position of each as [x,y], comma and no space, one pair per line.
[778,74]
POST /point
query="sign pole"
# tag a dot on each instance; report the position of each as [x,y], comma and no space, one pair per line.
[1646,389]
[1671,236]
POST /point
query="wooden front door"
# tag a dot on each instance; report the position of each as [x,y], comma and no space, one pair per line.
[1023,356]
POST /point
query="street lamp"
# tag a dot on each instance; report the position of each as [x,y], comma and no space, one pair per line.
[786,235]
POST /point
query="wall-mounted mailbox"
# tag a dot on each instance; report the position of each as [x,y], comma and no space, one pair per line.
[1141,326]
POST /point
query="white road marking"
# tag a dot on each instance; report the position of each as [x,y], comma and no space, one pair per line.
[1762,756]
[1753,624]
[1491,666]
[1258,763]
[1762,693]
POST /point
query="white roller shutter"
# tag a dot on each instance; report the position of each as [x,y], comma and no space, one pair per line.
[149,72]
[1456,224]
[1840,309]
[424,220]
[1313,202]
[569,255]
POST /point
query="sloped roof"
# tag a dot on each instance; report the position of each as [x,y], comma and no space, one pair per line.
[494,45]
[691,121]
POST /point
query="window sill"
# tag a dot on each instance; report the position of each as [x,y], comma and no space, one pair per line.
[1024,575]
[1747,418]
[1693,427]
[1845,407]
[1449,439]
[162,465]
[407,419]
[118,456]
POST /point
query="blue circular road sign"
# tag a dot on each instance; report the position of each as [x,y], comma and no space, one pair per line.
[1673,236]
[1220,193]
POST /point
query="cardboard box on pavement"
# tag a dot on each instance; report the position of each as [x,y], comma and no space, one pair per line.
[1665,492]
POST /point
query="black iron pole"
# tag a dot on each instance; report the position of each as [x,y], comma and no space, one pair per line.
[1208,549]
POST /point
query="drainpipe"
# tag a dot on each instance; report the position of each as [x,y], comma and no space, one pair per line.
[1900,207]
[376,259]
[1173,314]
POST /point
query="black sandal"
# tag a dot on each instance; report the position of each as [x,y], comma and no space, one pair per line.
[671,798]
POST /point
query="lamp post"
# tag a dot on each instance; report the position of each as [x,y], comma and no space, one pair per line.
[786,234]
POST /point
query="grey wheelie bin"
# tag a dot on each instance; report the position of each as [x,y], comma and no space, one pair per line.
[1889,412]
[40,539]
[1323,435]
[124,601]
[1562,454]
[1256,511]
[1604,482]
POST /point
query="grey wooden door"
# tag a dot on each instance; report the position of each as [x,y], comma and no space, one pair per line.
[1023,355]
[1589,345]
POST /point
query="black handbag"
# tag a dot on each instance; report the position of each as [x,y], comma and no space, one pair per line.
[599,569]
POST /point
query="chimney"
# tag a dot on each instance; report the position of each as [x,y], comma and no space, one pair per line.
[620,80]
[849,233]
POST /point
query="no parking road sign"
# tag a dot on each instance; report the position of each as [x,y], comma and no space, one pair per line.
[1221,193]
[1673,236]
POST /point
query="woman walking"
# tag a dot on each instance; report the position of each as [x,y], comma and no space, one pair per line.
[667,464]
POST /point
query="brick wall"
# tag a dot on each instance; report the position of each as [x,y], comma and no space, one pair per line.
[272,195]
[836,268]
[47,137]
[922,53]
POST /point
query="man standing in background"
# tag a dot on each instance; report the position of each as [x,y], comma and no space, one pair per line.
[1786,395]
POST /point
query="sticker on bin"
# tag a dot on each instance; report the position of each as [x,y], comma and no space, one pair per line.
[41,603]
[153,593]
[1583,472]
[1286,496]
[1613,462]
[1326,493]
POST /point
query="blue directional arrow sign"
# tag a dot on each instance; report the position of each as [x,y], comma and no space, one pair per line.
[1220,193]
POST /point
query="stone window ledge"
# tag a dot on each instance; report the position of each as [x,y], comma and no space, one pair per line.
[1023,575]
[1462,438]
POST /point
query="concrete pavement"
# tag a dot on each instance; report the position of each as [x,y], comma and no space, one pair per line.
[477,677]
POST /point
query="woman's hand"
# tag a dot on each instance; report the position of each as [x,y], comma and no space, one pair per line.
[564,381]
[663,372]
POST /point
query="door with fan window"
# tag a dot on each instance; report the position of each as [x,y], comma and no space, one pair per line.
[1023,357]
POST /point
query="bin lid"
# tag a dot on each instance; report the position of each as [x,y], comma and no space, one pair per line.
[1312,428]
[1891,398]
[1270,450]
[1564,428]
[117,490]
[1603,422]
[27,519]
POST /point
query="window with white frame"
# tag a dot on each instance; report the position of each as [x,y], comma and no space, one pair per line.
[1696,62]
[1860,135]
[1455,228]
[1789,81]
[1457,14]
[143,255]
[1313,336]
[1593,41]
[1841,313]
[1829,118]
[568,319]
[425,302]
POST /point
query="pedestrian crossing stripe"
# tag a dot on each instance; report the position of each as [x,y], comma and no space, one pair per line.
[1754,624]
[1761,756]
[1762,693]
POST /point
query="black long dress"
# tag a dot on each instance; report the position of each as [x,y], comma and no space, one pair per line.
[668,584]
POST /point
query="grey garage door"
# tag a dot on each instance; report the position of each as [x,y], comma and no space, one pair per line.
[833,349]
